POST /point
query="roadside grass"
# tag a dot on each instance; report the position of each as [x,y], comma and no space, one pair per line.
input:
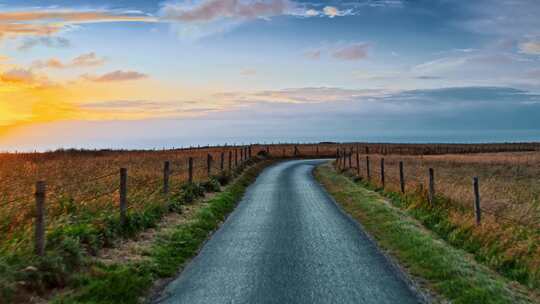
[130,282]
[450,272]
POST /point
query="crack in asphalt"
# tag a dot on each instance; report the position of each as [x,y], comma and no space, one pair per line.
[288,242]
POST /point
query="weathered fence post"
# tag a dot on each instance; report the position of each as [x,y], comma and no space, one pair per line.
[190,169]
[431,190]
[40,195]
[401,177]
[350,159]
[357,163]
[368,173]
[249,150]
[209,165]
[241,155]
[230,160]
[477,209]
[317,147]
[123,196]
[382,172]
[166,174]
[235,158]
[222,161]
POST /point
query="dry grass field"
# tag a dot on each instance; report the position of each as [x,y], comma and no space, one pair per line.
[508,238]
[82,201]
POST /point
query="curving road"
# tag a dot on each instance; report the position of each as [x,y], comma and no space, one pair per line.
[287,242]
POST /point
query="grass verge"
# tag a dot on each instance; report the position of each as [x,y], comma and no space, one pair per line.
[450,272]
[129,283]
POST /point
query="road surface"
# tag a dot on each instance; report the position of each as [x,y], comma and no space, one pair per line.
[287,242]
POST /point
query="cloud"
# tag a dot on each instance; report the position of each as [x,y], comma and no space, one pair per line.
[428,77]
[309,95]
[212,10]
[352,52]
[332,11]
[84,60]
[146,109]
[530,47]
[312,13]
[48,41]
[200,18]
[50,22]
[116,76]
[18,76]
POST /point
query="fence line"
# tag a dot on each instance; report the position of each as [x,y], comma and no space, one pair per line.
[342,164]
[233,157]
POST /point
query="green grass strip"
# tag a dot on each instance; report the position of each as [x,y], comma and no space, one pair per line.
[129,283]
[450,272]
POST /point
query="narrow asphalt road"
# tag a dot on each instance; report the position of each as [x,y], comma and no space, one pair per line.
[287,242]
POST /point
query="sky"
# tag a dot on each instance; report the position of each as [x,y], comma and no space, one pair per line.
[160,74]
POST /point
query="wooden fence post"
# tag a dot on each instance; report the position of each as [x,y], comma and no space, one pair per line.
[40,195]
[317,147]
[190,169]
[357,163]
[222,161]
[431,190]
[477,209]
[230,160]
[382,172]
[235,158]
[401,177]
[350,159]
[241,155]
[123,196]
[166,174]
[368,173]
[249,151]
[209,165]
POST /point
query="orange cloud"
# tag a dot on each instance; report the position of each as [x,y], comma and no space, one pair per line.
[46,23]
[85,60]
[17,76]
[116,76]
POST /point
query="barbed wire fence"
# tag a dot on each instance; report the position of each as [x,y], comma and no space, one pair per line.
[124,186]
[371,167]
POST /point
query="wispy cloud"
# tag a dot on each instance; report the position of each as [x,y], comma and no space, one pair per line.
[200,18]
[116,76]
[212,10]
[49,22]
[354,51]
[84,60]
[48,41]
[17,75]
[299,95]
[146,109]
[332,11]
[530,47]
[348,52]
